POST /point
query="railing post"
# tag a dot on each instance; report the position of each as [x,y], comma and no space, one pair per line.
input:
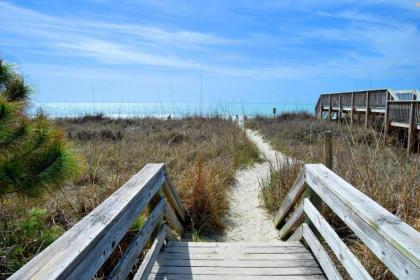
[339,114]
[367,109]
[410,128]
[328,149]
[322,106]
[386,118]
[352,109]
[329,107]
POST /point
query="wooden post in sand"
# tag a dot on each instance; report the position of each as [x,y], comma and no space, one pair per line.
[328,149]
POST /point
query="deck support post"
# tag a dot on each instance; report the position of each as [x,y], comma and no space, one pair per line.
[322,107]
[352,109]
[340,112]
[410,134]
[367,109]
[386,118]
[329,107]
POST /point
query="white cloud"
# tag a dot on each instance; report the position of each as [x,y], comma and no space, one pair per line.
[390,44]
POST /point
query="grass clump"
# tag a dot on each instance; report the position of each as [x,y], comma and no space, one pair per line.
[201,155]
[384,173]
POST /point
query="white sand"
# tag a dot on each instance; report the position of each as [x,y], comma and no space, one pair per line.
[247,220]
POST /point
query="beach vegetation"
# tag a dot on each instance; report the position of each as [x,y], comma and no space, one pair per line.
[384,173]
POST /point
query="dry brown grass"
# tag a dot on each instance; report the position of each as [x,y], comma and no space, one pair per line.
[201,155]
[385,173]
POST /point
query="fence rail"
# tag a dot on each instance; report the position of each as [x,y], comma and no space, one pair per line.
[394,242]
[370,104]
[82,250]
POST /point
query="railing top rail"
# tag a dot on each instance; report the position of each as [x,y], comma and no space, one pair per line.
[403,101]
[358,91]
[394,242]
[400,235]
[96,235]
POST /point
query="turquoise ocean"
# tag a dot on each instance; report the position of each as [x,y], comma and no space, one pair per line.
[163,110]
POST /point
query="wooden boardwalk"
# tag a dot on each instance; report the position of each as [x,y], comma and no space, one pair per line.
[393,109]
[210,260]
[91,248]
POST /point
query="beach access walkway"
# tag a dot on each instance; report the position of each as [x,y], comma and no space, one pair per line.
[156,251]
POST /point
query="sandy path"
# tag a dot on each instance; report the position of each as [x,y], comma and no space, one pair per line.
[247,220]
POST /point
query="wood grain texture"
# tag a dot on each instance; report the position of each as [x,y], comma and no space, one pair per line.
[125,264]
[151,256]
[291,198]
[343,254]
[297,235]
[394,242]
[324,260]
[81,251]
[154,276]
[292,221]
[173,219]
[173,198]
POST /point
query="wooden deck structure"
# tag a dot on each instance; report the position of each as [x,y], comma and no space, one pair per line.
[156,253]
[395,109]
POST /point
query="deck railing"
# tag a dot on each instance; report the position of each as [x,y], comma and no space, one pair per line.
[83,250]
[404,112]
[394,242]
[375,98]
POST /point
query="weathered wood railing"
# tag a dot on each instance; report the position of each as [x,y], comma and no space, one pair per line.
[394,242]
[83,250]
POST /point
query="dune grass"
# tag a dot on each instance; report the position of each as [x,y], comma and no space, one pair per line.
[385,173]
[201,155]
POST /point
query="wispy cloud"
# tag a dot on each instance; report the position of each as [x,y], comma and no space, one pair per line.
[271,41]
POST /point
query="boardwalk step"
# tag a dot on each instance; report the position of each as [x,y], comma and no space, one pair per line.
[213,260]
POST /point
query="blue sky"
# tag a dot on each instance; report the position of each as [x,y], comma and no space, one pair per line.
[247,51]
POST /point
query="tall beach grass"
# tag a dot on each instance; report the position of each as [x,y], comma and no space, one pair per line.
[385,173]
[201,155]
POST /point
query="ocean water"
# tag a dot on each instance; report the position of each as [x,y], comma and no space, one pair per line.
[163,110]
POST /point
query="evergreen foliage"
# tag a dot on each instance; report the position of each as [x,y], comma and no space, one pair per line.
[34,155]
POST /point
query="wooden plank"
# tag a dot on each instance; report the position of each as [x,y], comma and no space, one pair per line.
[169,235]
[151,256]
[173,219]
[237,250]
[237,271]
[324,260]
[233,277]
[292,221]
[394,242]
[156,199]
[297,235]
[237,263]
[400,124]
[221,256]
[82,250]
[344,255]
[291,198]
[172,196]
[125,264]
[234,244]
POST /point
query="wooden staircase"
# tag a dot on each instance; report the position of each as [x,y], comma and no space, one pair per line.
[85,250]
